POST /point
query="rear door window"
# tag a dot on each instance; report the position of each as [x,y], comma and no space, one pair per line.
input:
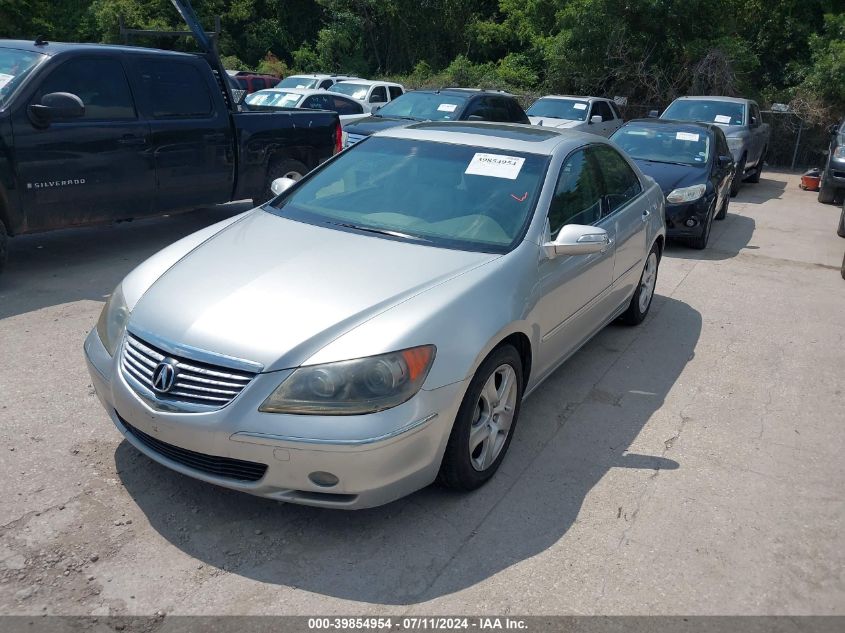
[601,109]
[100,83]
[175,89]
[395,91]
[379,95]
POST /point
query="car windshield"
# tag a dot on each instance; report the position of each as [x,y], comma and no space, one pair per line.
[15,65]
[356,91]
[570,109]
[424,106]
[273,98]
[664,144]
[722,112]
[298,82]
[453,196]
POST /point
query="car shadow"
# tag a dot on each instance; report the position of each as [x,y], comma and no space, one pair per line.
[728,238]
[57,267]
[573,430]
[768,188]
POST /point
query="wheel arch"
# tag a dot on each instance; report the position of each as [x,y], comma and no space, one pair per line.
[522,344]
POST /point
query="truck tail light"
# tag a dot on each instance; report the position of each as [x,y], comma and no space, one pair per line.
[338,138]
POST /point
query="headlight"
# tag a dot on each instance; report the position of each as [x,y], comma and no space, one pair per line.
[735,143]
[686,194]
[839,153]
[112,322]
[353,387]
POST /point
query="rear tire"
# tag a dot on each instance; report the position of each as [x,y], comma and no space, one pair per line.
[739,174]
[4,246]
[758,169]
[284,168]
[641,301]
[485,422]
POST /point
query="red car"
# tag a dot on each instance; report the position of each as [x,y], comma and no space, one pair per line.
[252,82]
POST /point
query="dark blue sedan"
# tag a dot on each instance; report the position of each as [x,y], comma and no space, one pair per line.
[693,166]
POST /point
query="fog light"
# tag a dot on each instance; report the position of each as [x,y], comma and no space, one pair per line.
[325,480]
[691,222]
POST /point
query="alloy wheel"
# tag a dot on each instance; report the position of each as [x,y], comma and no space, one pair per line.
[493,417]
[648,282]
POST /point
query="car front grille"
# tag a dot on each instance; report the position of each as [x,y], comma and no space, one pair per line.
[351,139]
[225,467]
[196,383]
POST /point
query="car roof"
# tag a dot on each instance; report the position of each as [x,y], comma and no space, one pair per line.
[715,98]
[368,82]
[495,136]
[322,76]
[54,48]
[690,125]
[307,92]
[462,92]
[575,97]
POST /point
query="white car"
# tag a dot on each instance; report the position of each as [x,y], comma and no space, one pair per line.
[348,109]
[586,114]
[315,81]
[374,93]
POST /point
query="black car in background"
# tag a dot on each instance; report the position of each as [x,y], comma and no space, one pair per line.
[447,104]
[832,185]
[693,166]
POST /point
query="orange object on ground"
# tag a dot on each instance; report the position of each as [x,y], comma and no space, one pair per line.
[810,182]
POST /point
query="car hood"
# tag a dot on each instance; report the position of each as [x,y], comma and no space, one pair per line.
[671,177]
[373,124]
[274,291]
[546,121]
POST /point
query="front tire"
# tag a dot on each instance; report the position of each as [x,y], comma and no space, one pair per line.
[840,230]
[4,246]
[700,242]
[827,192]
[485,422]
[641,301]
[723,210]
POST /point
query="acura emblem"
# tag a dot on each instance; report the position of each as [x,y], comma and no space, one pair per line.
[164,376]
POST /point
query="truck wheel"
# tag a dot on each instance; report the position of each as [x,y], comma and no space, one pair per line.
[840,230]
[286,168]
[758,170]
[827,192]
[4,246]
[736,183]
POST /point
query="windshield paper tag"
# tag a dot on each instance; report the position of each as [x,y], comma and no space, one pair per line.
[447,107]
[722,118]
[579,106]
[495,165]
[686,136]
[4,79]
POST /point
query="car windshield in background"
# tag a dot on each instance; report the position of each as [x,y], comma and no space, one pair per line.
[297,82]
[569,109]
[424,106]
[273,98]
[15,65]
[356,91]
[653,143]
[453,196]
[723,112]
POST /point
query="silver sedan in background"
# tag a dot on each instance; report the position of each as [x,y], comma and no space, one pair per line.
[376,326]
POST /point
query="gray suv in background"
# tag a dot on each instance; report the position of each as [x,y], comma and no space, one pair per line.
[832,184]
[740,119]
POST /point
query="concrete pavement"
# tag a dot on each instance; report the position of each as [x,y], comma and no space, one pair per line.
[692,465]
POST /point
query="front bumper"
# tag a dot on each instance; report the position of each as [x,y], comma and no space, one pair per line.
[835,172]
[677,216]
[376,458]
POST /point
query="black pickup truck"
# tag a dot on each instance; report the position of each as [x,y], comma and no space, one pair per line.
[92,133]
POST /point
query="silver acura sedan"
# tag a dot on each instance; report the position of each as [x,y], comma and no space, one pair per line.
[375,327]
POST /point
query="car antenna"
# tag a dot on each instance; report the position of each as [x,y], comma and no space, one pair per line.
[40,41]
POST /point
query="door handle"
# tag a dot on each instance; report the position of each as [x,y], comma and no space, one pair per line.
[130,139]
[214,138]
[646,213]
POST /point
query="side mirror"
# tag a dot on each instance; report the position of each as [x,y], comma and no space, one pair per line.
[652,114]
[280,185]
[375,109]
[725,161]
[578,239]
[596,118]
[56,105]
